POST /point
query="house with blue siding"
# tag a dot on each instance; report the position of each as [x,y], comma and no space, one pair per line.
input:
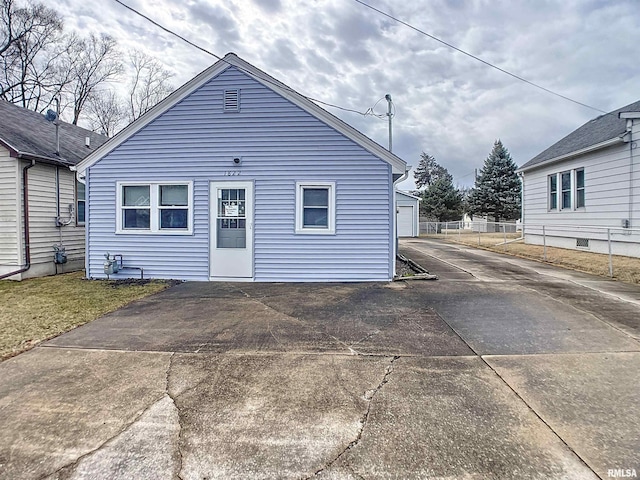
[237,177]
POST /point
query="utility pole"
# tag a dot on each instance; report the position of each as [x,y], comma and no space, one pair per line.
[388,98]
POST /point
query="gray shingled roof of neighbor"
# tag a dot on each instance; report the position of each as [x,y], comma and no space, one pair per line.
[27,134]
[599,130]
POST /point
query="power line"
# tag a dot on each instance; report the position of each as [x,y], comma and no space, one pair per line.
[266,79]
[475,57]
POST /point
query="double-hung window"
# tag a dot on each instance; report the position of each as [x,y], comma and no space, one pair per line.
[580,188]
[315,208]
[80,203]
[565,182]
[553,192]
[566,190]
[154,208]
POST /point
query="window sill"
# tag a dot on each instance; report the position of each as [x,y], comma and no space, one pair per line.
[149,232]
[311,231]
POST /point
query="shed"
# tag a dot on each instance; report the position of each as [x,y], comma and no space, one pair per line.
[237,177]
[408,210]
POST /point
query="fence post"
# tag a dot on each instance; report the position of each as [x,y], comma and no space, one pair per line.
[544,244]
[446,229]
[478,236]
[504,232]
[459,228]
[610,257]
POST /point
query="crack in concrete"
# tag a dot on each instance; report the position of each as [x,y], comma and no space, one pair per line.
[369,395]
[173,400]
[67,471]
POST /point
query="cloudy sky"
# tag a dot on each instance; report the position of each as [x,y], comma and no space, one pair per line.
[447,104]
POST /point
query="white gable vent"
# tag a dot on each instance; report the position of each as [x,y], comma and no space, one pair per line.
[582,242]
[231,100]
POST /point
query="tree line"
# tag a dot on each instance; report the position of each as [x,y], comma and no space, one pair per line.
[42,64]
[496,192]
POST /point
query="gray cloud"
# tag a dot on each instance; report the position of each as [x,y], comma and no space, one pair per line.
[447,103]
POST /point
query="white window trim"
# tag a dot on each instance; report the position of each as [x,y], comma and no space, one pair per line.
[155,209]
[331,224]
[563,190]
[549,207]
[573,191]
[583,188]
[78,222]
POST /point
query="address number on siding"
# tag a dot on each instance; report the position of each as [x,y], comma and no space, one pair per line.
[231,173]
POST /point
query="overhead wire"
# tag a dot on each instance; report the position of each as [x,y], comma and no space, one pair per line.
[208,52]
[489,64]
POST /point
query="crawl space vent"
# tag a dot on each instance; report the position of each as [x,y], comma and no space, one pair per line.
[231,100]
[582,242]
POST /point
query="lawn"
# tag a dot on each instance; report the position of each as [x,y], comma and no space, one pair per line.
[41,308]
[625,269]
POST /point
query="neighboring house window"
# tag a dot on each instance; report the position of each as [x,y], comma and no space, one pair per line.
[553,192]
[315,207]
[154,208]
[580,188]
[566,190]
[231,102]
[80,203]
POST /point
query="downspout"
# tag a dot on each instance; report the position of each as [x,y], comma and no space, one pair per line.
[630,131]
[400,179]
[25,209]
[521,175]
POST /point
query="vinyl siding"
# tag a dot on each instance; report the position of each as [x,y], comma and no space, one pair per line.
[607,194]
[42,215]
[279,144]
[10,187]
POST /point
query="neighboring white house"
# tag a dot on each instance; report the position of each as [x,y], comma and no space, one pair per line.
[585,183]
[408,207]
[41,204]
[236,177]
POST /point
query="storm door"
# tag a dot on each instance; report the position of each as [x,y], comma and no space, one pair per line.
[231,213]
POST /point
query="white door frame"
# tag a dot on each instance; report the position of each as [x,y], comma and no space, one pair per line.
[230,264]
[413,219]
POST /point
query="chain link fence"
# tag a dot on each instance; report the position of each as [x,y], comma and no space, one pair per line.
[562,244]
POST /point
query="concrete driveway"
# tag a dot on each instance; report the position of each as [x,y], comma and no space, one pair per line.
[500,369]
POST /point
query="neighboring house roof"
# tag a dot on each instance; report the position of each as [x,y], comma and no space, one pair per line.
[27,134]
[600,132]
[232,60]
[406,194]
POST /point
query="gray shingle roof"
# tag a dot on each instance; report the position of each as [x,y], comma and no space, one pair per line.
[600,129]
[30,135]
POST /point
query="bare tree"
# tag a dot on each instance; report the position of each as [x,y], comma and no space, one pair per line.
[93,61]
[149,84]
[31,50]
[106,112]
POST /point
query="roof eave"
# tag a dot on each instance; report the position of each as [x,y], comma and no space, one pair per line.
[15,153]
[582,151]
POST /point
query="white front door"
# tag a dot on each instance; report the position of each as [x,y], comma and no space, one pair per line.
[231,231]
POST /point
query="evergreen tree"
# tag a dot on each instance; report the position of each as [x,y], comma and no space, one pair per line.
[441,200]
[428,171]
[497,190]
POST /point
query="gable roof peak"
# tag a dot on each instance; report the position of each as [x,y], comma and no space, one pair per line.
[231,59]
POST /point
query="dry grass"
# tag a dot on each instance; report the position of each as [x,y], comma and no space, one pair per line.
[625,269]
[41,308]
